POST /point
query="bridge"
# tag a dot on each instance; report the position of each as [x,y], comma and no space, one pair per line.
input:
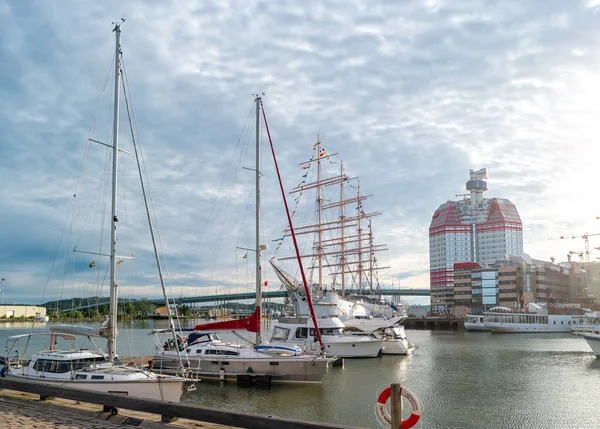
[280,294]
[251,295]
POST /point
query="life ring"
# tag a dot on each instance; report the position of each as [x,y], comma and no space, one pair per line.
[414,403]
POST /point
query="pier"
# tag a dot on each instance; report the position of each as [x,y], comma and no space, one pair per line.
[433,323]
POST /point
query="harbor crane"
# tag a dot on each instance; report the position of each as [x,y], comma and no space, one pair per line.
[585,237]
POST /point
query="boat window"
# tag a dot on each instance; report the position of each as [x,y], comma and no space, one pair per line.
[301,333]
[280,334]
[97,377]
[45,365]
[312,332]
[80,376]
[326,331]
[199,352]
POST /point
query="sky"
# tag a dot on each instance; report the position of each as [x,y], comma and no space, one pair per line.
[411,95]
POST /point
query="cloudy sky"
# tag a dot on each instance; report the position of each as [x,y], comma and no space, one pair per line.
[411,95]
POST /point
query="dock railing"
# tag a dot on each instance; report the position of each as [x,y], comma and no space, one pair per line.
[169,411]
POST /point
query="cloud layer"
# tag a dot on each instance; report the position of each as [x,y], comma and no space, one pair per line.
[410,94]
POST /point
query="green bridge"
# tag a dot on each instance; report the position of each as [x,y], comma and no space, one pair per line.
[251,295]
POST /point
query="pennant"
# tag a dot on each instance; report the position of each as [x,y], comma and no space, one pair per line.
[245,256]
[266,284]
[92,265]
[120,262]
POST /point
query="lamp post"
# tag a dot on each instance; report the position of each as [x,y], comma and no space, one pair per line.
[3,280]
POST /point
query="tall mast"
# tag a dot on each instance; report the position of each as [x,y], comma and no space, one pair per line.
[342,257]
[319,220]
[359,216]
[257,243]
[371,256]
[112,336]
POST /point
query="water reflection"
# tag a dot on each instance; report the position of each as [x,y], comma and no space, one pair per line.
[464,380]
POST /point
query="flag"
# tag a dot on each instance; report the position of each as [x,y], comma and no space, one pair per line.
[322,153]
[92,265]
[266,283]
[120,262]
[245,256]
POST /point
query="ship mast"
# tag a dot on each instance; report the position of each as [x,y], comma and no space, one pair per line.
[112,335]
[342,226]
[319,215]
[257,242]
[359,215]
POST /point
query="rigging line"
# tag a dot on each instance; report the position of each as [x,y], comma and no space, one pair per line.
[228,204]
[248,118]
[143,173]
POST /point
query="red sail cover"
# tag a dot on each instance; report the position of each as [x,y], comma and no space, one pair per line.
[250,324]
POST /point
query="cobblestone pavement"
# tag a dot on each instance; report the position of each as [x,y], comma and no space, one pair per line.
[29,414]
[24,411]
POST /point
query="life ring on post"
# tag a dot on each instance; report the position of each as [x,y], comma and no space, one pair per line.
[414,403]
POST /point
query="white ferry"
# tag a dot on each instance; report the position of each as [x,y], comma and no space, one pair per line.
[537,319]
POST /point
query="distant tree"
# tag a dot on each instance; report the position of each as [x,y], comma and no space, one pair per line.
[183,310]
[143,307]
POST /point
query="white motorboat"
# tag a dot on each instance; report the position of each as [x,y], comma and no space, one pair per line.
[300,331]
[95,370]
[40,318]
[537,319]
[474,322]
[395,341]
[207,356]
[593,340]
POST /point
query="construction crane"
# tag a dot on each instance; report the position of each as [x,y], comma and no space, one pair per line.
[585,237]
[580,254]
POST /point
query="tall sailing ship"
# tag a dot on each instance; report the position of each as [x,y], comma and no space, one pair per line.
[343,251]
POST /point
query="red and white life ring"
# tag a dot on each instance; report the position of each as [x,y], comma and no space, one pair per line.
[414,403]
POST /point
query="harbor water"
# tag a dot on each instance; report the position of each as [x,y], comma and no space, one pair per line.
[463,379]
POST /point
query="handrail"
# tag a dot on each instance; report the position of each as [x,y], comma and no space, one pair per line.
[168,410]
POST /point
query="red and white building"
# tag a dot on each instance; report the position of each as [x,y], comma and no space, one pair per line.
[474,229]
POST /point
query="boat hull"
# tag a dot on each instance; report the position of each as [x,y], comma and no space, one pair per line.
[526,328]
[593,341]
[162,390]
[397,347]
[281,370]
[470,326]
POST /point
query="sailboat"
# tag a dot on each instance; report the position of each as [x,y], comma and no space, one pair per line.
[207,356]
[346,247]
[94,370]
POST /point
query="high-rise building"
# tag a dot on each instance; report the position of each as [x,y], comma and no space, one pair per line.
[474,229]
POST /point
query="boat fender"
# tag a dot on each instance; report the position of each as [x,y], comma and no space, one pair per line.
[3,371]
[412,399]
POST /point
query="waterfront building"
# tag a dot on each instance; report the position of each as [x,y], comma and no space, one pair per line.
[474,229]
[20,310]
[514,282]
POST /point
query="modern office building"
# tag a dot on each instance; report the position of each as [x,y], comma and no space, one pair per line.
[516,281]
[474,229]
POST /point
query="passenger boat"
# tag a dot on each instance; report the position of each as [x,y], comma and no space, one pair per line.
[300,331]
[474,322]
[537,319]
[590,322]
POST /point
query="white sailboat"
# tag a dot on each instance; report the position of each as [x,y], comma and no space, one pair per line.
[94,370]
[343,245]
[207,356]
